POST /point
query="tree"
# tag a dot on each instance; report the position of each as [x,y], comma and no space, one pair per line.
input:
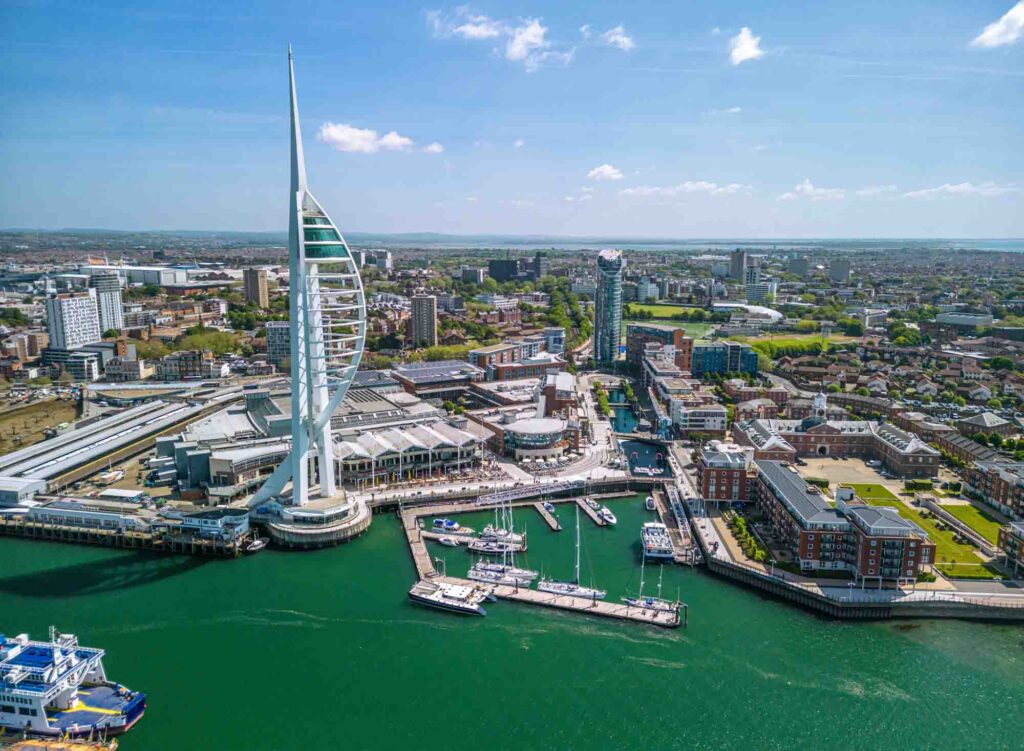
[995,440]
[834,388]
[1001,362]
[111,334]
[959,401]
[994,403]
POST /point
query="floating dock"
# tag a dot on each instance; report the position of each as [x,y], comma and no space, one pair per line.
[591,513]
[548,517]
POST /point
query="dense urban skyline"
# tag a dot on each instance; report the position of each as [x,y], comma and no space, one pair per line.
[896,120]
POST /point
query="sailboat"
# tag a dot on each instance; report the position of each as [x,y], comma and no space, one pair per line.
[505,572]
[651,603]
[572,588]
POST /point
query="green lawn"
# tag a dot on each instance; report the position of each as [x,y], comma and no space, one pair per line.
[694,330]
[981,522]
[870,491]
[659,310]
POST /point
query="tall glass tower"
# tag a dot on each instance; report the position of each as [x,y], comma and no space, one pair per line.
[328,328]
[608,306]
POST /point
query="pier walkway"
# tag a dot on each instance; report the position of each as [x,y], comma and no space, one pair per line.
[590,512]
[548,517]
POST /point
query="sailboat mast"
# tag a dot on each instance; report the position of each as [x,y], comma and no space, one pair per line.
[643,562]
[577,545]
[661,572]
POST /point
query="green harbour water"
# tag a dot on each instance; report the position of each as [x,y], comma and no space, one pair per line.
[324,650]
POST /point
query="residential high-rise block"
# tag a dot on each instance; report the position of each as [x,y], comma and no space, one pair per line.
[738,264]
[424,320]
[256,290]
[608,306]
[73,319]
[108,301]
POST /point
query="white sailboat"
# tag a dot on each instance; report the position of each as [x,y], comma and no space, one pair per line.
[572,588]
[505,572]
[651,603]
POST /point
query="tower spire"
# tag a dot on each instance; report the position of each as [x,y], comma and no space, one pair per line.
[298,160]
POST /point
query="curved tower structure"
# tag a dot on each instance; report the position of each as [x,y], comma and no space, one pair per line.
[327,309]
[608,306]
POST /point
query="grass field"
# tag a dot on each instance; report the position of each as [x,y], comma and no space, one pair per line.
[659,310]
[695,330]
[951,557]
[28,422]
[870,491]
[792,339]
[981,522]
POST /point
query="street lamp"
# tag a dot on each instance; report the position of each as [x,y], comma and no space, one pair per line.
[773,562]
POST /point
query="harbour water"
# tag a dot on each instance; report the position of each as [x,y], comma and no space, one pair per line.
[324,650]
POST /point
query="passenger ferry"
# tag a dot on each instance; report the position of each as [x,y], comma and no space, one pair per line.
[656,540]
[58,688]
[457,598]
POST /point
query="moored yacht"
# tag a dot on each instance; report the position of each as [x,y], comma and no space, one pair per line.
[57,688]
[487,570]
[457,598]
[494,547]
[491,533]
[451,527]
[606,513]
[650,503]
[573,588]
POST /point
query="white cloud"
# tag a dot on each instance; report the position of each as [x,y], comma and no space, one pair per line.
[473,199]
[808,190]
[869,191]
[585,31]
[525,41]
[727,111]
[519,143]
[519,202]
[1006,30]
[605,172]
[985,190]
[348,138]
[462,22]
[716,31]
[433,148]
[690,186]
[617,37]
[745,46]
[587,189]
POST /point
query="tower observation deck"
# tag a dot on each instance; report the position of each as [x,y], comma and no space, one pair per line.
[327,309]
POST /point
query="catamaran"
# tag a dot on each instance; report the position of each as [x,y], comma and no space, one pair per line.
[457,598]
[651,603]
[573,588]
[58,688]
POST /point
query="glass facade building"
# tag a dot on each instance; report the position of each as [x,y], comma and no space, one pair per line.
[608,305]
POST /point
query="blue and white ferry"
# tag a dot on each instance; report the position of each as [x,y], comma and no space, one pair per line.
[58,688]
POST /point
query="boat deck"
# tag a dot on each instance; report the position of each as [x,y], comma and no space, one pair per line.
[548,517]
[94,705]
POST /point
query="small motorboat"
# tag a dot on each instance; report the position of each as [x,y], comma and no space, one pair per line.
[451,542]
[650,504]
[605,513]
[549,507]
[256,545]
[592,503]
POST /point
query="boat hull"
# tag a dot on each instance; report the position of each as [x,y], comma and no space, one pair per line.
[449,607]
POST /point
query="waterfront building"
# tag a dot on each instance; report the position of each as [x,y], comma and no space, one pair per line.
[72,319]
[639,335]
[256,289]
[725,471]
[873,543]
[424,320]
[444,379]
[608,306]
[278,341]
[328,312]
[1011,542]
[998,482]
[109,305]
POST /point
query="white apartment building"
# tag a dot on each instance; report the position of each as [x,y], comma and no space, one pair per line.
[72,319]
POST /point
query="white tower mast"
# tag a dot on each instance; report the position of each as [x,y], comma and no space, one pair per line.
[328,328]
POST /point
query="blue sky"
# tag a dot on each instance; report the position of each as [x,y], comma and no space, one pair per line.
[681,119]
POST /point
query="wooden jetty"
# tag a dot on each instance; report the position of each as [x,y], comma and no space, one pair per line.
[548,517]
[590,512]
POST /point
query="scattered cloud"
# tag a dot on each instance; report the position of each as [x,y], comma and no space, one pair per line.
[525,40]
[690,186]
[870,191]
[806,189]
[472,199]
[716,31]
[1006,30]
[744,46]
[464,23]
[585,31]
[587,189]
[605,172]
[617,37]
[518,202]
[353,140]
[519,143]
[727,111]
[760,147]
[985,190]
